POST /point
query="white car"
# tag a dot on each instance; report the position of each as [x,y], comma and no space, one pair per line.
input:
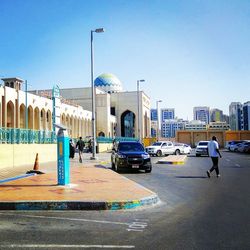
[165,148]
[201,148]
[187,149]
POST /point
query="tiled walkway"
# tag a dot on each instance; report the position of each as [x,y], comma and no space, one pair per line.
[90,184]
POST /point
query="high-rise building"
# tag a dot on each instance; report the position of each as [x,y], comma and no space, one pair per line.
[246,115]
[153,117]
[167,113]
[153,128]
[235,116]
[153,114]
[170,126]
[216,115]
[225,118]
[202,114]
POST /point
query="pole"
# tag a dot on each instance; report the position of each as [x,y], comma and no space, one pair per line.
[93,102]
[138,112]
[26,105]
[157,128]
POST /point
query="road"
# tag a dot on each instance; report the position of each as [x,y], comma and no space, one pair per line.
[195,212]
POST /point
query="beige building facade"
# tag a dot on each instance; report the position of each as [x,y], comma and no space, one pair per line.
[16,103]
[118,112]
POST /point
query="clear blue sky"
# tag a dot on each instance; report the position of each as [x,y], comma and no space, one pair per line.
[191,53]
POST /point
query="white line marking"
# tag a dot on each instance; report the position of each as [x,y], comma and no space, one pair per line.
[65,218]
[237,165]
[63,246]
[227,159]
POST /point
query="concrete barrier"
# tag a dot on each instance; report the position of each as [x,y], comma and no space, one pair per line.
[15,155]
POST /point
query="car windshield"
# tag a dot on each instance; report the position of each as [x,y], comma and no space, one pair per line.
[157,144]
[130,147]
[203,143]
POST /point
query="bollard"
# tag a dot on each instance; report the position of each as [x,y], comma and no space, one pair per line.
[63,168]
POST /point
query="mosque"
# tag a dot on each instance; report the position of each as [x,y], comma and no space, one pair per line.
[118,113]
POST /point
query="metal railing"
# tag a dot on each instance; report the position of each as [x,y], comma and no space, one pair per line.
[101,139]
[16,135]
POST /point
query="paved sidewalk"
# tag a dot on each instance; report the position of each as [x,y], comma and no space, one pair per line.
[92,186]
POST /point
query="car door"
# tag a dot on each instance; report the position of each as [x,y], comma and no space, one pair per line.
[164,148]
[168,148]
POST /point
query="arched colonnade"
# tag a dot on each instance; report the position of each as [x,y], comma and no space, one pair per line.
[41,119]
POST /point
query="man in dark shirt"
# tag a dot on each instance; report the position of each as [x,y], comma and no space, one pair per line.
[80,145]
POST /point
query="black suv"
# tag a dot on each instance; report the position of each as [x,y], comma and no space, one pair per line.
[130,154]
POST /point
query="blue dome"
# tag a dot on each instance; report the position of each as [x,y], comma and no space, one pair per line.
[108,83]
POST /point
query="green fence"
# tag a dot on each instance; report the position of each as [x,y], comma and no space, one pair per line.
[15,135]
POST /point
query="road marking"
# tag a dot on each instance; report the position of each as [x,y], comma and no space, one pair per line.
[137,226]
[64,246]
[237,165]
[227,159]
[65,218]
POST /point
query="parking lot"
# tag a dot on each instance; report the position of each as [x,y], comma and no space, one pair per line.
[194,213]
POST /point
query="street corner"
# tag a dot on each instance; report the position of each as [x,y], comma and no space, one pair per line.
[132,204]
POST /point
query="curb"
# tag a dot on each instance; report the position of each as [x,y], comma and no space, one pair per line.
[171,162]
[174,160]
[79,205]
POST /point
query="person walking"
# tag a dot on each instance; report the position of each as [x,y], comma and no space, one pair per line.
[214,153]
[80,145]
[71,149]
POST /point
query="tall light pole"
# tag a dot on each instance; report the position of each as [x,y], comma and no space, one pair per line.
[99,30]
[26,104]
[157,128]
[138,106]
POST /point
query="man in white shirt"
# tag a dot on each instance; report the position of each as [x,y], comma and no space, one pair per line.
[214,153]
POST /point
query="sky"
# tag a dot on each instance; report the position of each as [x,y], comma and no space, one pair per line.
[189,52]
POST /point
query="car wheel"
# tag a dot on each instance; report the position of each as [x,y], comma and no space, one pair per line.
[177,152]
[198,155]
[159,153]
[148,170]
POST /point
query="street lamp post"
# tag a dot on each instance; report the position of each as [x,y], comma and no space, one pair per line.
[138,106]
[99,30]
[26,104]
[157,128]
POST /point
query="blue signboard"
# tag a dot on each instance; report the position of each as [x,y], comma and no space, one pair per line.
[63,171]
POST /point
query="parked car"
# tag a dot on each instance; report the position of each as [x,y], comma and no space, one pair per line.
[232,143]
[131,155]
[234,147]
[243,147]
[165,148]
[187,149]
[201,148]
[247,149]
[184,148]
